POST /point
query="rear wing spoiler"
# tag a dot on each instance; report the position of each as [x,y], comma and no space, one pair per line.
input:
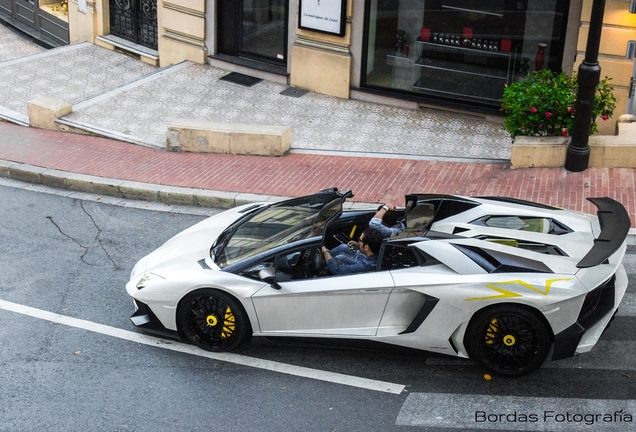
[615,225]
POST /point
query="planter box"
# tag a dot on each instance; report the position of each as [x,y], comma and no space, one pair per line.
[614,151]
[606,151]
[530,152]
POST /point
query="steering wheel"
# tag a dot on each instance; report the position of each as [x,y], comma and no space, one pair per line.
[316,260]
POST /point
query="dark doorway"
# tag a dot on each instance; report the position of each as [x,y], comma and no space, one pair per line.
[135,21]
[253,29]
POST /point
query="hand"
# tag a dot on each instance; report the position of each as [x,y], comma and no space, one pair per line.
[353,244]
[317,258]
[384,209]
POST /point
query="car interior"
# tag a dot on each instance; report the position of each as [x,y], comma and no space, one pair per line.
[394,254]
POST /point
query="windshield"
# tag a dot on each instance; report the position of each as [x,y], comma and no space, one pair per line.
[273,227]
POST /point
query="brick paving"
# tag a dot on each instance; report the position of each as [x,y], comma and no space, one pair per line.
[371,179]
[410,145]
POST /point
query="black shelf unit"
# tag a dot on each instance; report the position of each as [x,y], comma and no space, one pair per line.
[472,74]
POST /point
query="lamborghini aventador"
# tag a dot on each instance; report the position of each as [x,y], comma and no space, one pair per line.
[498,280]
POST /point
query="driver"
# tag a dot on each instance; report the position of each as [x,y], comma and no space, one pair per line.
[365,259]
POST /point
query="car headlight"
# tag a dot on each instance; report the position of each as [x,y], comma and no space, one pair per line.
[148,279]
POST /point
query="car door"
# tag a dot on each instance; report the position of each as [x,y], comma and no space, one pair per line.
[349,305]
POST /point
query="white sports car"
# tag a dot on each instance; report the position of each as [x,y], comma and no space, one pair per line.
[498,280]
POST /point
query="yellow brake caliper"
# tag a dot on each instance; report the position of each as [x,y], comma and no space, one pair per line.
[491,332]
[228,324]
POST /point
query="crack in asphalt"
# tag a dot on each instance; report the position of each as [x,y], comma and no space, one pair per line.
[72,238]
[99,240]
[86,248]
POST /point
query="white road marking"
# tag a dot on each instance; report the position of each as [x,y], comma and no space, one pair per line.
[460,411]
[299,371]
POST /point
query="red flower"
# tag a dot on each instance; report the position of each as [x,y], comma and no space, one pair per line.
[570,109]
[548,114]
[604,117]
[564,132]
[533,109]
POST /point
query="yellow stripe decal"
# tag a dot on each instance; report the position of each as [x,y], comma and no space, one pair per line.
[504,293]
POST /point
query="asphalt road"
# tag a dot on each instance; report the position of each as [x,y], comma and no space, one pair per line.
[70,360]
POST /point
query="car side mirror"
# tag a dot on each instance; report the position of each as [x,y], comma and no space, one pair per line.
[268,274]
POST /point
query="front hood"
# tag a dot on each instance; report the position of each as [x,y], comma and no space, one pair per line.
[189,246]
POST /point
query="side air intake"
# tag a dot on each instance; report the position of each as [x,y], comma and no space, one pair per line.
[497,262]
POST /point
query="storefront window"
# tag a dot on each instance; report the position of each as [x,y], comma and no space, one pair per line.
[56,8]
[263,28]
[460,50]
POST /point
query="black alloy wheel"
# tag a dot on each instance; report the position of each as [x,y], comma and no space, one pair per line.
[509,340]
[212,320]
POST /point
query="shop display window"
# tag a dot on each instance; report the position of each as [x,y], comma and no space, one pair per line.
[460,50]
[58,9]
[263,28]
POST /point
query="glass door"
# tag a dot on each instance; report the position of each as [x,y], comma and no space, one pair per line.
[254,29]
[263,32]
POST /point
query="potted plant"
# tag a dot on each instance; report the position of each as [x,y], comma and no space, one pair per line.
[544,104]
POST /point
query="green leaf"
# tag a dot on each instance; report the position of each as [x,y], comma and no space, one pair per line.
[550,92]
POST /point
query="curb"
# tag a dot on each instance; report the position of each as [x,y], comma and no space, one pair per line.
[127,189]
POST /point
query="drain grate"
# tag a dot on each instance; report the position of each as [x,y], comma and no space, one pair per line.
[238,78]
[294,92]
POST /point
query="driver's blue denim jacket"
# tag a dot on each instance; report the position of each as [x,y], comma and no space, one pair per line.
[347,261]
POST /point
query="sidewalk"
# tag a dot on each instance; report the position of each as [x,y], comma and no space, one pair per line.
[108,167]
[116,96]
[379,152]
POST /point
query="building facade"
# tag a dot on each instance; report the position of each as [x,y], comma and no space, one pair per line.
[458,54]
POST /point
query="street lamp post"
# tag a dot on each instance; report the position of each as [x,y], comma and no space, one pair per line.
[578,154]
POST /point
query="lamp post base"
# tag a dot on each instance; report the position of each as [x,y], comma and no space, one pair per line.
[577,159]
